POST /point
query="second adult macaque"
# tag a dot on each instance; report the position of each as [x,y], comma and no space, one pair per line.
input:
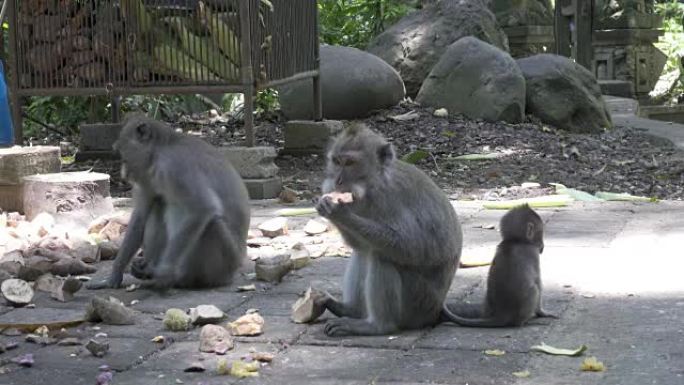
[191,212]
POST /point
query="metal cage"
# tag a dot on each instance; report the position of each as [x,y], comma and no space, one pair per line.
[126,47]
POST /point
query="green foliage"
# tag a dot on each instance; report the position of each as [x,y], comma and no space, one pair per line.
[64,113]
[266,101]
[672,43]
[164,107]
[354,23]
[415,156]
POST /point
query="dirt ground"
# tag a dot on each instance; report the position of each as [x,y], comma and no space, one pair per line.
[622,160]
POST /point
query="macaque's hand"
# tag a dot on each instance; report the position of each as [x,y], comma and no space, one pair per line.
[333,204]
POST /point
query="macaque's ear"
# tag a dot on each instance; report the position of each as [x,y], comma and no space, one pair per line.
[143,132]
[386,153]
[530,231]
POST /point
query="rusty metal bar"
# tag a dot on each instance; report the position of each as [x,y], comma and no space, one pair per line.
[317,91]
[133,90]
[247,71]
[293,78]
[15,73]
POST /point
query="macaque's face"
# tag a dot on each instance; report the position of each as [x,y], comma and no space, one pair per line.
[354,163]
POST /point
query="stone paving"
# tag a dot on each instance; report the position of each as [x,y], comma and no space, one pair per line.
[612,271]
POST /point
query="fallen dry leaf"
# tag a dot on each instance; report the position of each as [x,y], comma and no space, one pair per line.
[522,374]
[548,349]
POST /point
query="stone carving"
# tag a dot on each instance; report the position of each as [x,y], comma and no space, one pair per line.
[611,14]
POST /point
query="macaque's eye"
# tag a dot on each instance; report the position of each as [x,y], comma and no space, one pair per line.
[336,160]
[349,162]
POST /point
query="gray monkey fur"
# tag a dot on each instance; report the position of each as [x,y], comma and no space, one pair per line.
[191,210]
[514,287]
[404,232]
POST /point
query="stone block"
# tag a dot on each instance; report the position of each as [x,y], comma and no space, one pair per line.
[75,196]
[620,88]
[252,162]
[268,188]
[11,198]
[309,137]
[17,162]
[99,137]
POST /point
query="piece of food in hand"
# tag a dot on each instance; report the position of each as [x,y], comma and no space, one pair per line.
[339,197]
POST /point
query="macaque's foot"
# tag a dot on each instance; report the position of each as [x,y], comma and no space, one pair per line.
[341,327]
[140,269]
[541,313]
[113,282]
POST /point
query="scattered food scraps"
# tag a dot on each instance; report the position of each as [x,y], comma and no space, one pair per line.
[248,325]
[494,352]
[242,369]
[591,364]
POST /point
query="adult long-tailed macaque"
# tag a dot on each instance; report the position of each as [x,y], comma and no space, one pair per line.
[191,212]
[514,287]
[405,236]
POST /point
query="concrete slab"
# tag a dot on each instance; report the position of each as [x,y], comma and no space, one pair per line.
[611,270]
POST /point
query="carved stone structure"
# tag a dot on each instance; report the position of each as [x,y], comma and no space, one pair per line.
[528,25]
[624,54]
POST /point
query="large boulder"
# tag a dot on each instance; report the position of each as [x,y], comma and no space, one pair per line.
[414,44]
[478,80]
[530,12]
[563,93]
[353,83]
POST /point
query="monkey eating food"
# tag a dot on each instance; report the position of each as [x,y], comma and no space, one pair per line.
[191,210]
[514,286]
[405,235]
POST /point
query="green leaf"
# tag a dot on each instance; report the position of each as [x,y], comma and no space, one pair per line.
[488,156]
[415,156]
[68,159]
[548,349]
[296,212]
[542,201]
[577,195]
[609,196]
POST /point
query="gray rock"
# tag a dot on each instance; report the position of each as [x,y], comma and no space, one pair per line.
[353,83]
[564,94]
[531,12]
[416,42]
[110,310]
[273,268]
[213,336]
[476,79]
[252,162]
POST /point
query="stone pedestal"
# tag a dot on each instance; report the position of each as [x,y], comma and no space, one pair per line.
[97,141]
[77,197]
[309,137]
[16,163]
[530,40]
[257,168]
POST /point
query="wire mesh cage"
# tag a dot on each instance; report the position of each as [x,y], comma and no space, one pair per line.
[124,47]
